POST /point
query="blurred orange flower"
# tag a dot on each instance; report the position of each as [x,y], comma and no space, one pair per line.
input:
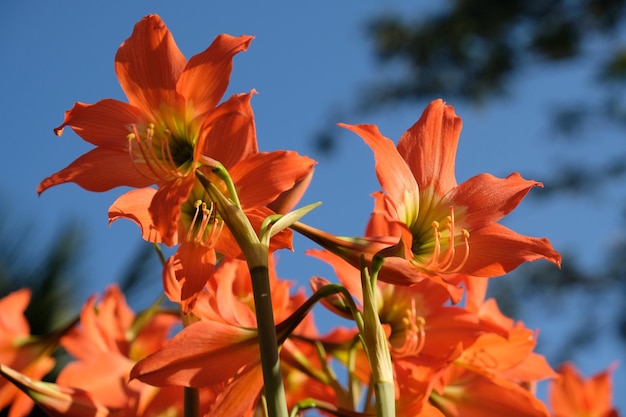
[106,346]
[20,351]
[571,395]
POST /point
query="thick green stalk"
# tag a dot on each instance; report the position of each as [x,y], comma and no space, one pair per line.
[385,399]
[268,343]
[256,254]
[376,343]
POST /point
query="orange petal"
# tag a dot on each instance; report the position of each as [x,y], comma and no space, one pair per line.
[148,65]
[105,123]
[468,393]
[496,250]
[239,397]
[206,75]
[382,219]
[202,354]
[279,171]
[572,395]
[12,320]
[193,265]
[165,207]
[492,353]
[231,131]
[392,170]
[133,205]
[488,199]
[98,170]
[429,147]
[288,199]
[105,376]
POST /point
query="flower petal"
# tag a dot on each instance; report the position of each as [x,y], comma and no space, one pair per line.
[231,131]
[165,207]
[202,354]
[206,75]
[98,170]
[488,199]
[392,170]
[238,398]
[105,376]
[105,123]
[134,206]
[193,265]
[429,147]
[148,64]
[496,250]
[261,178]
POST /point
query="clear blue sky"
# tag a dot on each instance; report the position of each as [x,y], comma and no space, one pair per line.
[308,62]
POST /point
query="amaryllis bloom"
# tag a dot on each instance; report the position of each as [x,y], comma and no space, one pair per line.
[220,351]
[443,230]
[106,345]
[463,393]
[200,230]
[572,395]
[172,117]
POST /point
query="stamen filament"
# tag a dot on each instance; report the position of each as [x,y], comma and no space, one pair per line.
[414,333]
[445,263]
[162,167]
[196,205]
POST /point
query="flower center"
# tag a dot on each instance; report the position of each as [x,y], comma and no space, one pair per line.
[166,156]
[414,333]
[442,246]
[205,225]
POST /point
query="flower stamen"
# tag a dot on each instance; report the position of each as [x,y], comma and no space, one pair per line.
[205,225]
[414,333]
[162,166]
[446,263]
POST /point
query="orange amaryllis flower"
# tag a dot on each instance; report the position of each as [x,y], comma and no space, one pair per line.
[20,351]
[462,393]
[221,350]
[172,117]
[200,228]
[570,395]
[106,346]
[444,229]
[425,334]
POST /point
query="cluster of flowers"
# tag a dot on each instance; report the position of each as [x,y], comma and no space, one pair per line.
[426,341]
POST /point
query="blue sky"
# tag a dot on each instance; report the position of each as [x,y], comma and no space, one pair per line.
[308,63]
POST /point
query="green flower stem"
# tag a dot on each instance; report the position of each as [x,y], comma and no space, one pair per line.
[385,399]
[376,343]
[268,343]
[256,255]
